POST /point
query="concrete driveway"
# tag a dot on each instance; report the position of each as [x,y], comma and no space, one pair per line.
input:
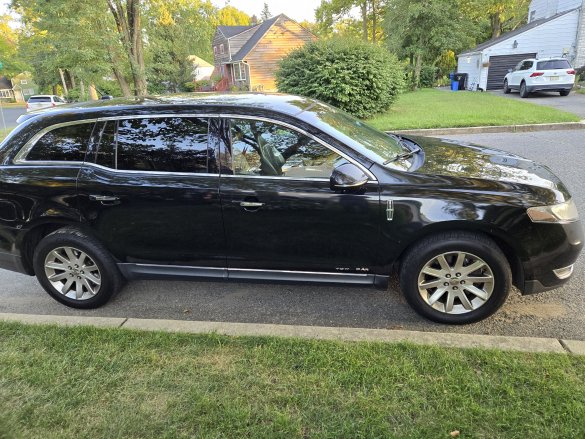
[574,103]
[10,116]
[557,314]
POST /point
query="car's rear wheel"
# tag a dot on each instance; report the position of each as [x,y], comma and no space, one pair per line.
[455,277]
[523,90]
[75,269]
[507,89]
[565,92]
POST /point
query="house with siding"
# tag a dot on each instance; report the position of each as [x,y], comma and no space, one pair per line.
[247,56]
[555,28]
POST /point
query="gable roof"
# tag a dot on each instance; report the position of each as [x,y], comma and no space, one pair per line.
[256,37]
[515,32]
[199,61]
[230,31]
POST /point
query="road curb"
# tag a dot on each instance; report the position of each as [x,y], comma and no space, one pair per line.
[522,344]
[494,129]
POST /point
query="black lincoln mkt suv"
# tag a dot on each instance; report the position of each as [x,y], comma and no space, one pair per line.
[274,188]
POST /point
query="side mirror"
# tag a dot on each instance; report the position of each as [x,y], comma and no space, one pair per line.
[510,70]
[347,176]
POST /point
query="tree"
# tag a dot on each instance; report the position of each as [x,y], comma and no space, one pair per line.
[424,29]
[129,26]
[11,63]
[176,29]
[334,12]
[265,14]
[496,16]
[230,16]
[360,78]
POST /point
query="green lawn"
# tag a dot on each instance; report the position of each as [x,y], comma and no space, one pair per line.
[431,108]
[84,382]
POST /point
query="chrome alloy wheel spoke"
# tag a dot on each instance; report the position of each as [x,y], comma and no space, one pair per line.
[456,282]
[73,273]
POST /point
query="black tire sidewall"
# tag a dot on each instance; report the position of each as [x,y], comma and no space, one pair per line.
[110,276]
[523,90]
[492,256]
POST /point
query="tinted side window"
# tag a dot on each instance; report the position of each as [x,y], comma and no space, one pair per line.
[67,143]
[526,65]
[158,144]
[264,148]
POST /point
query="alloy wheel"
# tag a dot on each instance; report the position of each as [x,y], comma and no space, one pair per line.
[456,282]
[73,273]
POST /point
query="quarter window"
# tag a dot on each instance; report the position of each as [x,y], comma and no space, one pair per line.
[268,149]
[169,144]
[64,144]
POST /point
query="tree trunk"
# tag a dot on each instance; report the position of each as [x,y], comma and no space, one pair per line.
[81,91]
[126,92]
[374,20]
[417,69]
[364,7]
[65,90]
[92,93]
[128,24]
[496,25]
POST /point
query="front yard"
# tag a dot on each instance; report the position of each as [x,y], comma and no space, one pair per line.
[430,108]
[84,382]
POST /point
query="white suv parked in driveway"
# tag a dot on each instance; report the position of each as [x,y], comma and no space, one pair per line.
[547,74]
[38,102]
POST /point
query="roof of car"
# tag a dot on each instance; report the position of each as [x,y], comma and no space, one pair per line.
[281,103]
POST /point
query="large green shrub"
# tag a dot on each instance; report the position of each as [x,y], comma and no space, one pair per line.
[358,77]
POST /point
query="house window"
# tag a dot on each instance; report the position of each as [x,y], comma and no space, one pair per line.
[221,49]
[28,91]
[5,93]
[23,81]
[240,71]
[215,50]
[532,15]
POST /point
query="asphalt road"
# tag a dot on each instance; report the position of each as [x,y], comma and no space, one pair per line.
[574,103]
[10,116]
[559,314]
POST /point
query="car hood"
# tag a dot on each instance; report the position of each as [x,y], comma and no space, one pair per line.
[459,159]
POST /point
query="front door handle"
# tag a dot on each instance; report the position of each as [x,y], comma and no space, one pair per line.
[248,204]
[104,198]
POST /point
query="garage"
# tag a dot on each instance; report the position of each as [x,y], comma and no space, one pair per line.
[499,66]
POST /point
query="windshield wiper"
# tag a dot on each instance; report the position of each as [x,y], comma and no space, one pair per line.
[404,155]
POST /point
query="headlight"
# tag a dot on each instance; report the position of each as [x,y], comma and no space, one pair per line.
[559,213]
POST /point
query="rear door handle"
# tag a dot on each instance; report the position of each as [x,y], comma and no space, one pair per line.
[251,204]
[103,198]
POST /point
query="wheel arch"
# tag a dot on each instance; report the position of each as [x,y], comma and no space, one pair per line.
[498,236]
[29,238]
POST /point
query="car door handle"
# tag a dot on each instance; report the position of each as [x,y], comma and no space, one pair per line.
[103,198]
[249,204]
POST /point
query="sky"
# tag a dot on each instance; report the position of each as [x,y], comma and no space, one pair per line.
[296,9]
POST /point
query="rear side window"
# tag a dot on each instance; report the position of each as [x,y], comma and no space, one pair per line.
[169,144]
[64,144]
[553,64]
[526,65]
[34,100]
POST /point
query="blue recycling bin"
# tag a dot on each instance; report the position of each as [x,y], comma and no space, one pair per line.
[454,85]
[452,76]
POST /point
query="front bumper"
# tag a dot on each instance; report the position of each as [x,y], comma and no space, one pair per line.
[549,87]
[553,266]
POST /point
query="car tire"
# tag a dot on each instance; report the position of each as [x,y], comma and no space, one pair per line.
[507,89]
[523,90]
[456,295]
[565,92]
[76,269]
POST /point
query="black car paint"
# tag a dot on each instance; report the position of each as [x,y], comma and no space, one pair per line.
[448,187]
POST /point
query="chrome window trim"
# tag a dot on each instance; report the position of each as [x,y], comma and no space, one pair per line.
[128,171]
[371,176]
[20,157]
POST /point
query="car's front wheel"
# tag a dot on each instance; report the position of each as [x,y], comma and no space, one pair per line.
[507,89]
[565,92]
[75,269]
[455,277]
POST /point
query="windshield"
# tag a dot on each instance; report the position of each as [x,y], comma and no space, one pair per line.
[372,143]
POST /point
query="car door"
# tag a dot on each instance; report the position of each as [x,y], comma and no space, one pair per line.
[149,191]
[280,213]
